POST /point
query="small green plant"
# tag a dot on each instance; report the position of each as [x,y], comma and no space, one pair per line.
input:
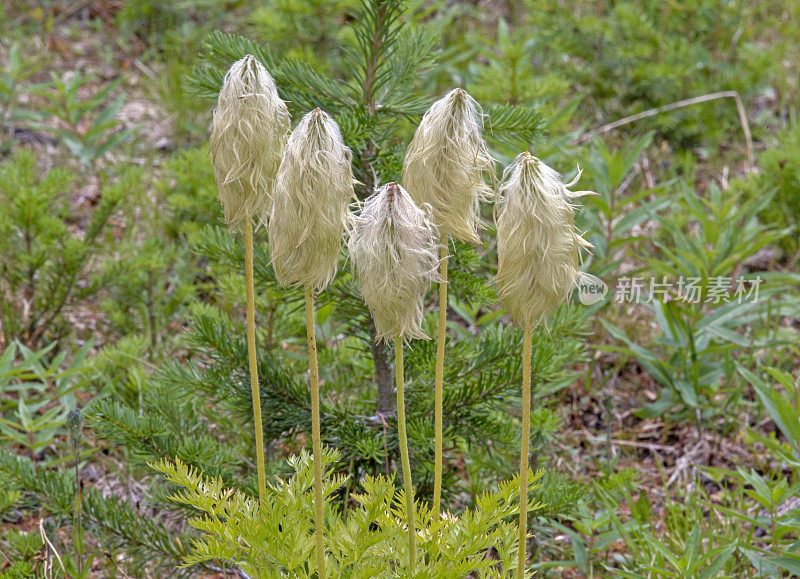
[14,77]
[190,193]
[18,550]
[699,303]
[154,279]
[750,526]
[74,424]
[779,176]
[688,546]
[186,111]
[47,267]
[784,409]
[641,54]
[274,538]
[150,287]
[306,30]
[111,519]
[765,507]
[38,393]
[616,213]
[88,126]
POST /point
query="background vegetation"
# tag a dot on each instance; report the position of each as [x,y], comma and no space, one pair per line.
[669,431]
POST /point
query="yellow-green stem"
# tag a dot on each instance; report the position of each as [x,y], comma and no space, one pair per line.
[438,387]
[523,455]
[401,431]
[315,435]
[251,357]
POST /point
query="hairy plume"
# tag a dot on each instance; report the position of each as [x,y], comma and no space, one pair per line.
[393,250]
[310,213]
[445,163]
[248,138]
[538,246]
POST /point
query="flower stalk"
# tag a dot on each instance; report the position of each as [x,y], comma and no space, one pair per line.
[313,187]
[538,257]
[74,426]
[393,250]
[438,386]
[523,456]
[319,518]
[401,432]
[252,359]
[248,138]
[444,167]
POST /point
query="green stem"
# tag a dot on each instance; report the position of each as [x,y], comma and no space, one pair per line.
[251,357]
[78,531]
[315,434]
[401,431]
[438,388]
[523,455]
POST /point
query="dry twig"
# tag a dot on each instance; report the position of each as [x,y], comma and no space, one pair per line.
[681,104]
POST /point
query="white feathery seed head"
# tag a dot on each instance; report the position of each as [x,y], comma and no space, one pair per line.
[538,246]
[313,188]
[393,248]
[445,163]
[248,137]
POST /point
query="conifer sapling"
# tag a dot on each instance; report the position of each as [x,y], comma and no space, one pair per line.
[538,256]
[248,138]
[444,167]
[314,186]
[393,250]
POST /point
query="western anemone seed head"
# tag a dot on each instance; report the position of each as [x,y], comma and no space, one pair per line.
[393,250]
[313,188]
[248,137]
[445,162]
[538,246]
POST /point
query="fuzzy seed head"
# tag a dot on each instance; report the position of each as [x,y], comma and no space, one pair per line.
[538,246]
[248,137]
[313,188]
[393,250]
[445,163]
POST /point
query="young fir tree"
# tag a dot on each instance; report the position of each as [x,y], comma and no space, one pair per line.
[45,268]
[199,410]
[377,109]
